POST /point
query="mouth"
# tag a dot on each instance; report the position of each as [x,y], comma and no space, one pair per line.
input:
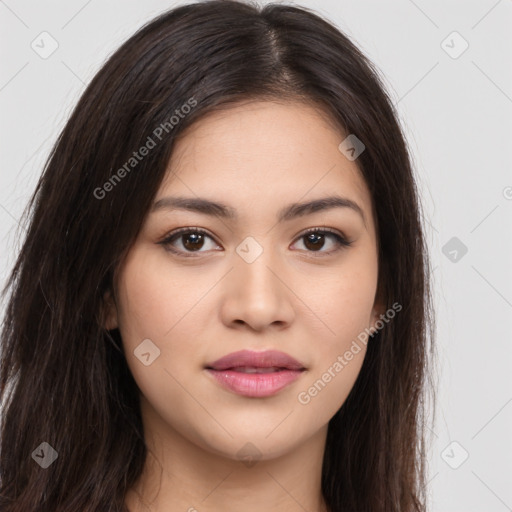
[256,374]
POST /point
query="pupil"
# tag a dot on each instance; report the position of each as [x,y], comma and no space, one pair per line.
[312,238]
[196,243]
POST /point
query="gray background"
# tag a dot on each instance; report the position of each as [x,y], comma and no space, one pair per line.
[456,112]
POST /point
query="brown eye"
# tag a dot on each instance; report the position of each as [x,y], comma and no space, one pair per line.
[315,240]
[191,240]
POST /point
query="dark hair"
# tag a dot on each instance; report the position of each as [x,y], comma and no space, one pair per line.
[64,379]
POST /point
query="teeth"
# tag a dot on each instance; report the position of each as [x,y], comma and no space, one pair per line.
[249,369]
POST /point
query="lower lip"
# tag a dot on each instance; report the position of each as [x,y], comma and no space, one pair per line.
[255,384]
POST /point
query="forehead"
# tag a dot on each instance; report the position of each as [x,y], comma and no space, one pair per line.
[262,154]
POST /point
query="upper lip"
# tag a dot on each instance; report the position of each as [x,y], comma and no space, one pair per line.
[247,358]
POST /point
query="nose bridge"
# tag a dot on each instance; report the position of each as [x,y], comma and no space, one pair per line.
[256,265]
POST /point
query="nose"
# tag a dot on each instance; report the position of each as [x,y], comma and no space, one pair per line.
[258,294]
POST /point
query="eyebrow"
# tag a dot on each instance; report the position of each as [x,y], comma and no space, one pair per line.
[291,211]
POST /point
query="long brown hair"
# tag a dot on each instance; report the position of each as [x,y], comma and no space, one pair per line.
[64,379]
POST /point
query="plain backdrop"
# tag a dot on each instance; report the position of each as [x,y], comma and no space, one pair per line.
[448,68]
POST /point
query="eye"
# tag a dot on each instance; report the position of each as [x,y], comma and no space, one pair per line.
[315,240]
[192,240]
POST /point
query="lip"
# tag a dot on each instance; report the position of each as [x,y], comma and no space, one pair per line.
[227,371]
[266,359]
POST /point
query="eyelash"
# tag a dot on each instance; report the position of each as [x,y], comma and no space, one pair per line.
[166,242]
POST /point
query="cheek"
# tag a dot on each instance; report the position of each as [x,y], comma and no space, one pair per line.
[157,315]
[352,310]
[142,303]
[346,302]
[154,301]
[343,301]
[339,352]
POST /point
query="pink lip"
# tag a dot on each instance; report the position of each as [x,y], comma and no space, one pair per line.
[227,371]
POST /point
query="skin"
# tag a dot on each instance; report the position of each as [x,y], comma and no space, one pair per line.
[256,157]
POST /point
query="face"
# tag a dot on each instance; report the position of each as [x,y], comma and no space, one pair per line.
[250,277]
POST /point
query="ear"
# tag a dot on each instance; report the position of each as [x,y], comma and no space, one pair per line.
[379,308]
[377,311]
[109,312]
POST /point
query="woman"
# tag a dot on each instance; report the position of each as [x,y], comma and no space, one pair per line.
[222,299]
